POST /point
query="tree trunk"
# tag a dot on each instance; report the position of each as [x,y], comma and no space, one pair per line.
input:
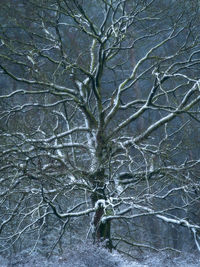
[101,231]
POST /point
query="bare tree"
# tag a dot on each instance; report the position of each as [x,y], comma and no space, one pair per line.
[97,106]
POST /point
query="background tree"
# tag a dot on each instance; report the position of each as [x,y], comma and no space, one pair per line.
[99,105]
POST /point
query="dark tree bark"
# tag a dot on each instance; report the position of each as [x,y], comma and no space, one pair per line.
[101,230]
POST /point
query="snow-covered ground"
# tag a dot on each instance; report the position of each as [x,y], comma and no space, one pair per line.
[90,256]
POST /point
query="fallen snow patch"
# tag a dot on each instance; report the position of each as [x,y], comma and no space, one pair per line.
[91,256]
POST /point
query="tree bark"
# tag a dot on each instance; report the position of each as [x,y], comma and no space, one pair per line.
[101,231]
